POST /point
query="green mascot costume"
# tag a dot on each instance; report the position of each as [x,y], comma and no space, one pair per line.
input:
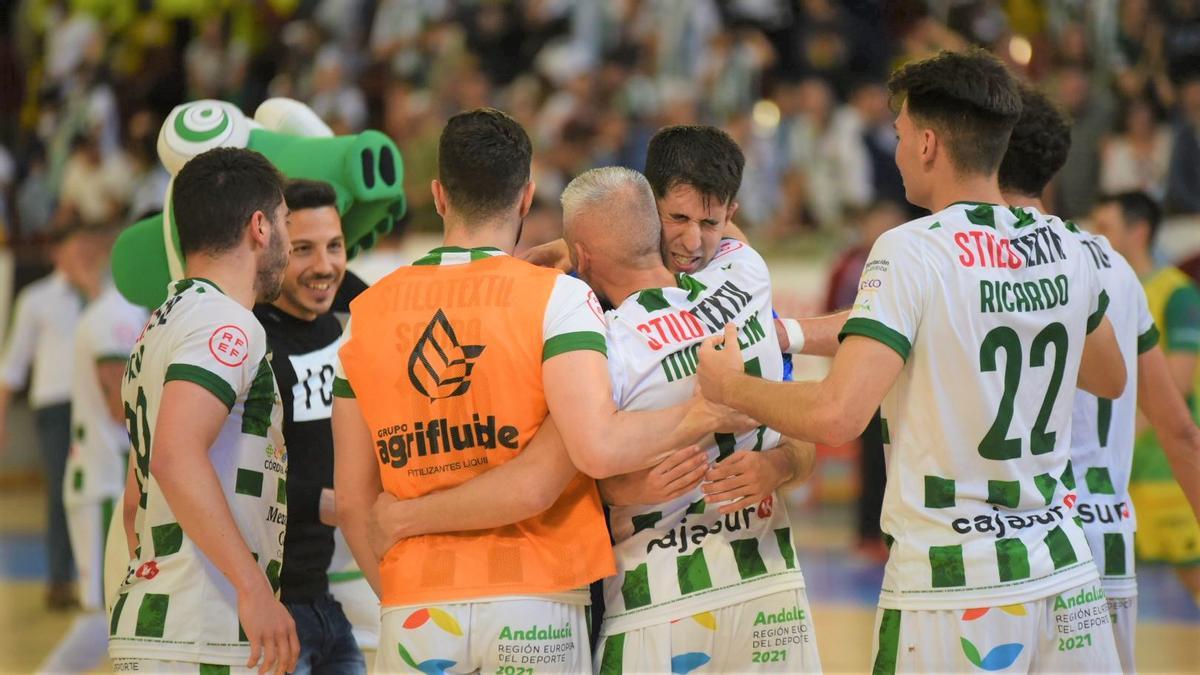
[364,169]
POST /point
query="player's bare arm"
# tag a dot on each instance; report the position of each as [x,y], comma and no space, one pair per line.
[1181,365]
[1102,370]
[1167,411]
[814,335]
[520,488]
[603,441]
[355,483]
[180,464]
[831,412]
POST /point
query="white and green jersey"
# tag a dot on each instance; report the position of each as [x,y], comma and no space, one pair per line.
[989,307]
[106,332]
[682,558]
[174,603]
[1102,431]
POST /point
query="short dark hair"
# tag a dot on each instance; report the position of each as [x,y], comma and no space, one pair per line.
[301,193]
[217,192]
[1136,207]
[968,97]
[703,157]
[483,161]
[1038,146]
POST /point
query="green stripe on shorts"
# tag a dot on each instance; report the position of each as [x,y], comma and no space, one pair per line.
[889,643]
[612,662]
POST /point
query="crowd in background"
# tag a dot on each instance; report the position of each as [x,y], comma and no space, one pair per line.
[798,83]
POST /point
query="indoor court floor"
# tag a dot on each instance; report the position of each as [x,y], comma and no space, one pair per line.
[842,588]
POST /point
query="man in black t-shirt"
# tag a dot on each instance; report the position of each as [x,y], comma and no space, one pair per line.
[303,335]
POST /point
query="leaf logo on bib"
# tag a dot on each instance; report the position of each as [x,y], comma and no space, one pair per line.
[440,367]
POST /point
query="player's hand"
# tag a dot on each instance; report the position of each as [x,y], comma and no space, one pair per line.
[676,475]
[551,254]
[745,478]
[384,524]
[718,365]
[270,629]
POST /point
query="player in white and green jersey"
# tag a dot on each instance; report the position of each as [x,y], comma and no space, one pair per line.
[1102,436]
[685,559]
[95,475]
[970,327]
[207,478]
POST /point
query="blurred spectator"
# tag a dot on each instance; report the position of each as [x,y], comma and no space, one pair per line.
[1090,113]
[35,199]
[149,179]
[335,99]
[1181,41]
[216,65]
[591,81]
[829,169]
[1138,157]
[398,32]
[1183,176]
[40,340]
[94,189]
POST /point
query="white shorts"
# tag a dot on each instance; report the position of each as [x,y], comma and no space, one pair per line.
[87,527]
[1123,614]
[517,636]
[773,633]
[1065,633]
[158,666]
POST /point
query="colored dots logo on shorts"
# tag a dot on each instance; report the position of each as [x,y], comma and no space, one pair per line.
[429,666]
[1001,656]
[686,663]
[998,658]
[441,619]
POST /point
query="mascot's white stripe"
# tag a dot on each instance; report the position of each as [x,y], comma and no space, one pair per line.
[174,264]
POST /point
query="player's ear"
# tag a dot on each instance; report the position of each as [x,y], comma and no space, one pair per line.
[527,197]
[439,197]
[580,259]
[259,229]
[930,146]
[733,208]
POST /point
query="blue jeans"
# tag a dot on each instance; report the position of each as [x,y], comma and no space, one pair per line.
[54,435]
[327,645]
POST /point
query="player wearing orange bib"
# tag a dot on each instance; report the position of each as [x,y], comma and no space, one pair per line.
[450,369]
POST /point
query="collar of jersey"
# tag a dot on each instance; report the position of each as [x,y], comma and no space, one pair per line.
[457,255]
[202,280]
[973,204]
